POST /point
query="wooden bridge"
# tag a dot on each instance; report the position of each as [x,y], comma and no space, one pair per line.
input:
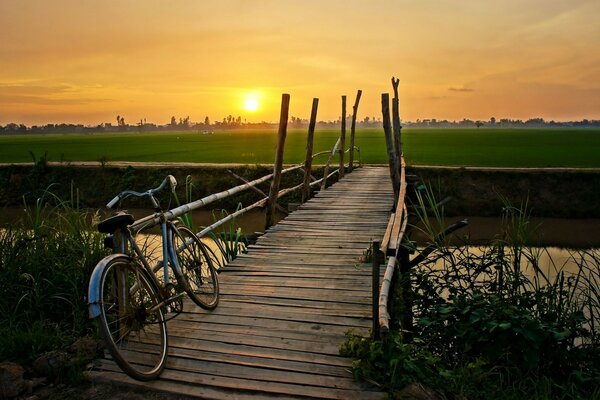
[285,306]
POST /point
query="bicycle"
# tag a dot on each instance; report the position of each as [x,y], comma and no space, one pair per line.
[127,297]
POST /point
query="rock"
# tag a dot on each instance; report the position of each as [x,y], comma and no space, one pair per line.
[85,348]
[416,391]
[11,380]
[51,362]
[37,382]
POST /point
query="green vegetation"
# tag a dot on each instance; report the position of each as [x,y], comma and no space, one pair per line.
[464,147]
[491,322]
[45,264]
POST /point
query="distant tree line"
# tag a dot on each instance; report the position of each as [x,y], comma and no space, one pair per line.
[231,122]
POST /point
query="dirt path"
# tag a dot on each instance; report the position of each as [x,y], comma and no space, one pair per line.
[98,391]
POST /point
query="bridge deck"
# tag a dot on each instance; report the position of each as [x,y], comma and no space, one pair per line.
[285,306]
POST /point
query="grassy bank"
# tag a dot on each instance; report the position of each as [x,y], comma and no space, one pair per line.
[487,323]
[557,147]
[94,187]
[45,263]
[551,194]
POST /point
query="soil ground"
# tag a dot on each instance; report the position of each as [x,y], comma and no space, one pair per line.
[98,391]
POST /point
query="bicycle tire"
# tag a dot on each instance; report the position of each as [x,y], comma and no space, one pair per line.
[194,270]
[136,340]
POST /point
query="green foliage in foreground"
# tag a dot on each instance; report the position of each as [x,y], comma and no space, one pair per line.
[45,265]
[491,323]
[550,147]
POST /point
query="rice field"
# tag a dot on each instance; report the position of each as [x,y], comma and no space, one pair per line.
[486,147]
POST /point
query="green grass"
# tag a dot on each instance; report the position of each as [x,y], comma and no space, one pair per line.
[462,147]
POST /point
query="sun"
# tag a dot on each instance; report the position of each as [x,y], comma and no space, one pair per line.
[251,102]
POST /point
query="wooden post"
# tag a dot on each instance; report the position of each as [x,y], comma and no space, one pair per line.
[375,261]
[342,148]
[309,150]
[283,119]
[392,158]
[352,130]
[396,119]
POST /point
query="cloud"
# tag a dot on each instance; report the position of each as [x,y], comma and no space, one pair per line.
[40,100]
[453,89]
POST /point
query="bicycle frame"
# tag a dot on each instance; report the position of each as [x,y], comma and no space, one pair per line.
[126,239]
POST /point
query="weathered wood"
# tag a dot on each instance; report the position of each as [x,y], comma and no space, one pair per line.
[281,134]
[309,150]
[152,220]
[400,216]
[375,260]
[285,306]
[342,149]
[396,118]
[255,189]
[326,169]
[392,159]
[353,130]
[230,217]
[384,316]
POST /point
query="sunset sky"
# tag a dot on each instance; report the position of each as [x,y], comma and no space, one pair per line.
[89,61]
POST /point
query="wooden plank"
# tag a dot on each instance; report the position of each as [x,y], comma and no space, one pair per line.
[263,387]
[285,305]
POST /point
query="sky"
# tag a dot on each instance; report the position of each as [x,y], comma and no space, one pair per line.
[87,61]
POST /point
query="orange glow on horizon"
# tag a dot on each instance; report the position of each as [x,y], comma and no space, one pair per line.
[87,62]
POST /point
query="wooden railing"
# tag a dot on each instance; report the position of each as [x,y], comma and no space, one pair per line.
[390,249]
[270,200]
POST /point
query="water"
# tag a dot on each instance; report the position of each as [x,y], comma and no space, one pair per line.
[546,232]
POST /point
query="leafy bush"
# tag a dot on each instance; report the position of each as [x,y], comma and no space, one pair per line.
[490,322]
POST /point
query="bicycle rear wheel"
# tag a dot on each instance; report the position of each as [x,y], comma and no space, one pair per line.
[195,271]
[132,319]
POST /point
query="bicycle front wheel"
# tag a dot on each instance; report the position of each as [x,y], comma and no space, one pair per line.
[194,270]
[132,319]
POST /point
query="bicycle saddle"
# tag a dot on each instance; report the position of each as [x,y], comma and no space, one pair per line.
[119,220]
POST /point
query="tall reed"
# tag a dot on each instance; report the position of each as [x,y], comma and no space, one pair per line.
[45,263]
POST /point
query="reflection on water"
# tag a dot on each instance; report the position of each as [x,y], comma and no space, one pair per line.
[552,232]
[250,222]
[549,261]
[547,232]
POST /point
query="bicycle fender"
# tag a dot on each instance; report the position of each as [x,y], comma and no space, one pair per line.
[94,295]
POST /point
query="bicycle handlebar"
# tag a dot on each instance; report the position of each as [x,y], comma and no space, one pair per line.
[170,179]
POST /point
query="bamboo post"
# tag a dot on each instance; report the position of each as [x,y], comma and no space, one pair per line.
[375,261]
[283,119]
[256,189]
[309,150]
[326,169]
[352,131]
[396,118]
[342,148]
[392,159]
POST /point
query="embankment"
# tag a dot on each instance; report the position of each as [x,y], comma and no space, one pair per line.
[555,193]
